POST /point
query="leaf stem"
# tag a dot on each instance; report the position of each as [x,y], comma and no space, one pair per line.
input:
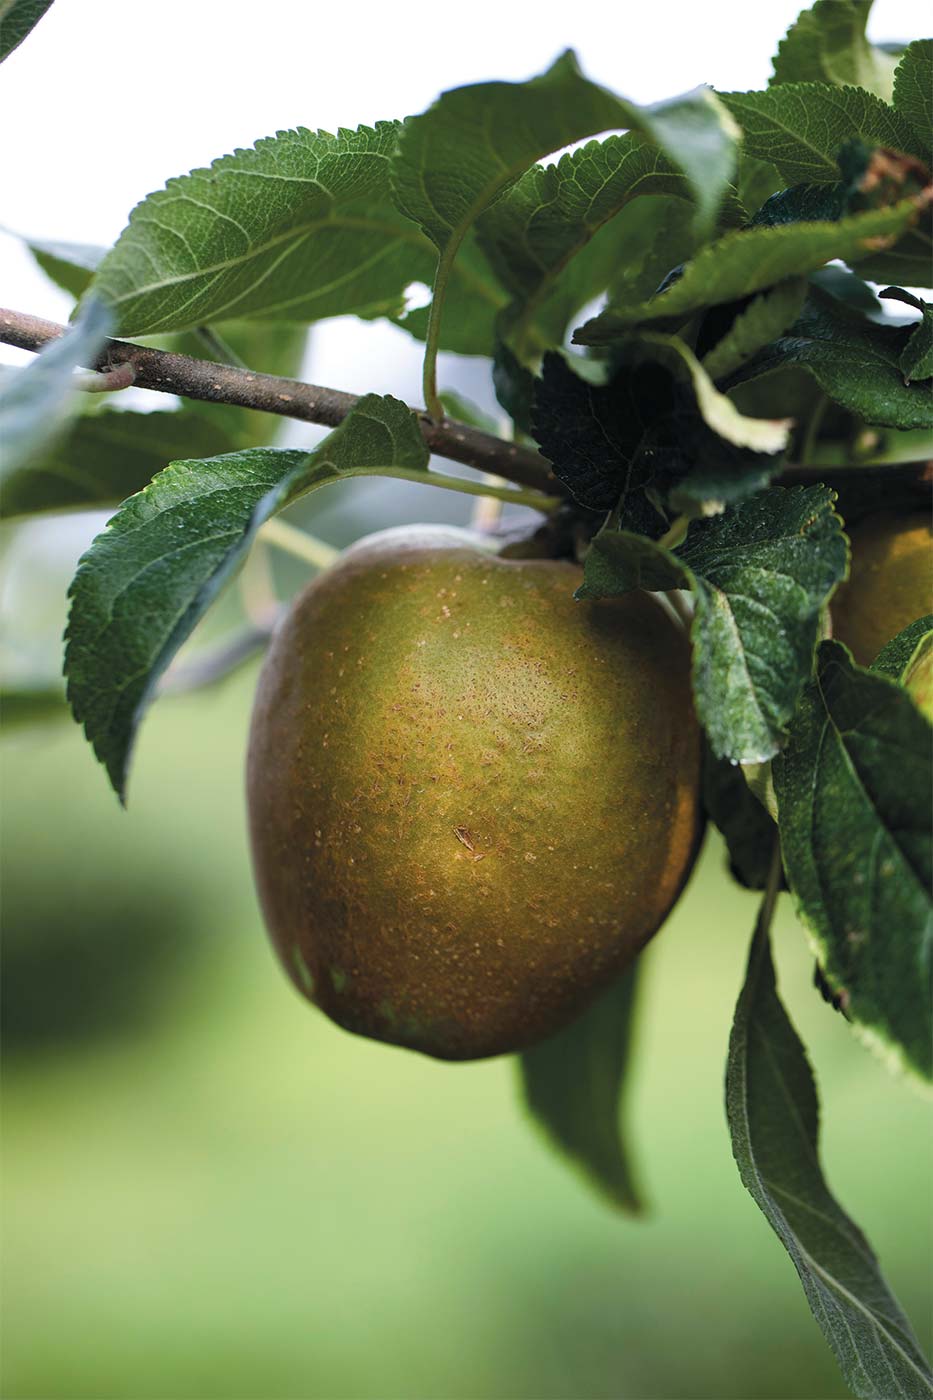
[432,403]
[772,890]
[219,347]
[299,543]
[676,534]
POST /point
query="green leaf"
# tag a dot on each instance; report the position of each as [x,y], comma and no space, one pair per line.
[916,359]
[756,181]
[298,228]
[799,127]
[573,1083]
[773,1114]
[17,19]
[453,161]
[913,93]
[748,830]
[166,554]
[70,265]
[474,141]
[854,803]
[659,423]
[761,321]
[827,43]
[552,212]
[747,260]
[600,437]
[902,652]
[760,575]
[106,456]
[36,401]
[855,361]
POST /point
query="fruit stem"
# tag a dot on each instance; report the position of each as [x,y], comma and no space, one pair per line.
[299,543]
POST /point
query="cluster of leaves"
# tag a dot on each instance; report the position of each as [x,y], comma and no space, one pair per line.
[730,242]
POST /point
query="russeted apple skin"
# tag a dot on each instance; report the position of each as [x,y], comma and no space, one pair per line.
[890,581]
[472,798]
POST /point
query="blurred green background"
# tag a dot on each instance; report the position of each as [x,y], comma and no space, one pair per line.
[210,1191]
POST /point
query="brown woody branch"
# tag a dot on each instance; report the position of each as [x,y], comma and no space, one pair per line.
[289,398]
[310,403]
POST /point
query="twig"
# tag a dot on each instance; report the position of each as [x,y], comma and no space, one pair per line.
[298,542]
[214,663]
[289,398]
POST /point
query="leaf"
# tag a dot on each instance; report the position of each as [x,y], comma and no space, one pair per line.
[854,801]
[748,260]
[298,228]
[916,359]
[827,43]
[35,401]
[760,575]
[761,321]
[600,437]
[107,456]
[454,160]
[748,830]
[151,575]
[474,141]
[70,265]
[799,127]
[552,212]
[17,19]
[855,361]
[658,425]
[573,1083]
[902,652]
[773,1114]
[913,93]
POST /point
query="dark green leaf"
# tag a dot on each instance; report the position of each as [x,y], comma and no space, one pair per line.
[761,321]
[916,360]
[70,265]
[600,437]
[854,802]
[855,361]
[773,1114]
[749,832]
[913,93]
[799,127]
[756,181]
[573,1084]
[17,19]
[896,659]
[658,423]
[827,43]
[36,401]
[760,574]
[746,261]
[106,456]
[168,551]
[298,228]
[514,386]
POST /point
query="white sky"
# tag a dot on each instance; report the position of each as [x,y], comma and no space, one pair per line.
[107,99]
